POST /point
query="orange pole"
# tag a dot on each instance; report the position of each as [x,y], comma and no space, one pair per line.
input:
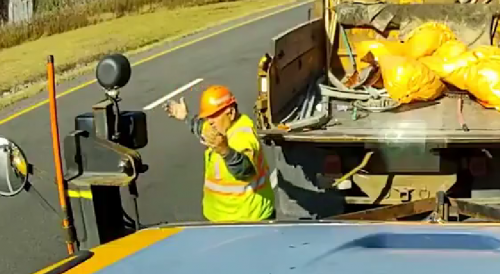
[61,187]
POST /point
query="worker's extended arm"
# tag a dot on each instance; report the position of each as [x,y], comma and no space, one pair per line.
[195,125]
[237,163]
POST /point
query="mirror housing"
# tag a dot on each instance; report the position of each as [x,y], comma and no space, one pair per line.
[112,73]
[14,168]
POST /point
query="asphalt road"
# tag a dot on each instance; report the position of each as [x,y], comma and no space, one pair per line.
[30,235]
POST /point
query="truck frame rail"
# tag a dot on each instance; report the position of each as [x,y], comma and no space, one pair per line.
[441,207]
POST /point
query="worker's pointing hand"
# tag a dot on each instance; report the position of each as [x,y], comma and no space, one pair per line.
[178,110]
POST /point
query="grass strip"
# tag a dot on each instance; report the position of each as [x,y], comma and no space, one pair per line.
[76,51]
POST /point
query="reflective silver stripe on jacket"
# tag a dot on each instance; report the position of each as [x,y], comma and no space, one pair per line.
[234,189]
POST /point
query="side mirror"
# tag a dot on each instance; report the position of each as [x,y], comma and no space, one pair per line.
[13,168]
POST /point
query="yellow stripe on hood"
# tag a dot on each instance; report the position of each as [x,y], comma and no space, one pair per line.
[114,251]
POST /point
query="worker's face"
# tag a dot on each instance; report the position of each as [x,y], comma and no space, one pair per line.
[222,120]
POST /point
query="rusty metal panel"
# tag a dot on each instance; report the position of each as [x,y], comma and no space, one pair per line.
[297,41]
[299,53]
[389,213]
[471,23]
[402,188]
[475,210]
[286,83]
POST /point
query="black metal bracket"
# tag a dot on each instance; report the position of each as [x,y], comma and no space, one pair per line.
[111,164]
[97,166]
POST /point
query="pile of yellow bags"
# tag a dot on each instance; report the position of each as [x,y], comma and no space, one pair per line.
[476,70]
[408,80]
[416,69]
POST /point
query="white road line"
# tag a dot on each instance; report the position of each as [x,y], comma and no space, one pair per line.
[172,94]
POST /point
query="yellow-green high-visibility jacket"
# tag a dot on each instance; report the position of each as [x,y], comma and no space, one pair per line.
[225,198]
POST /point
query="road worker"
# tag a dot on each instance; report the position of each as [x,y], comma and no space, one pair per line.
[237,186]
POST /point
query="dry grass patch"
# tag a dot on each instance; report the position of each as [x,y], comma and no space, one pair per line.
[58,16]
[24,65]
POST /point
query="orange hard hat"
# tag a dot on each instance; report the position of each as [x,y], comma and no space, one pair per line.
[214,99]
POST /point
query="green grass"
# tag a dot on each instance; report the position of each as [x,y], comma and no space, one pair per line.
[76,51]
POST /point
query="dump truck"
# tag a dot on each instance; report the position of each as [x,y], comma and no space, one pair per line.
[346,145]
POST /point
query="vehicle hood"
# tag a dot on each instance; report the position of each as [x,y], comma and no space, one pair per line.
[311,248]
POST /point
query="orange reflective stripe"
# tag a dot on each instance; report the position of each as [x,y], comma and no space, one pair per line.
[228,183]
[236,190]
[237,187]
[261,168]
[261,165]
[222,187]
[225,193]
[260,159]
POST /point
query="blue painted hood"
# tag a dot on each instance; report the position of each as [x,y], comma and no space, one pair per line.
[320,248]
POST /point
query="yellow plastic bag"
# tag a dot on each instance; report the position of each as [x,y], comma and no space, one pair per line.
[486,52]
[483,81]
[454,70]
[450,49]
[408,80]
[477,71]
[427,38]
[483,78]
[434,63]
[377,48]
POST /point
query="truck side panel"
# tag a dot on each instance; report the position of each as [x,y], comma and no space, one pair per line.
[302,194]
[299,54]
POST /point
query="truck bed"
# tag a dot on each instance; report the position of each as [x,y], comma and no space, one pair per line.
[436,121]
[301,54]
